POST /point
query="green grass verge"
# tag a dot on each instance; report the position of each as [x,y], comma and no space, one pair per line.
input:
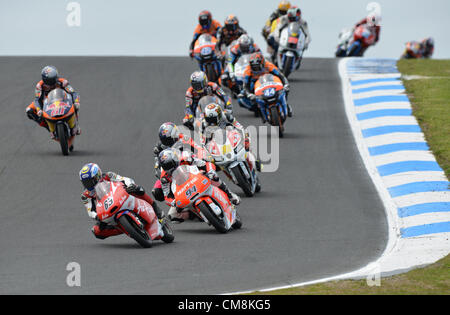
[430,99]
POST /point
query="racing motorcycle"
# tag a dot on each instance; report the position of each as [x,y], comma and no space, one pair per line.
[207,57]
[59,113]
[354,42]
[269,91]
[412,51]
[228,151]
[133,216]
[196,123]
[291,48]
[194,191]
[237,77]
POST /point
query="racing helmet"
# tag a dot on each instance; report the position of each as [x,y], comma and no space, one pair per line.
[257,62]
[205,19]
[245,43]
[199,81]
[294,14]
[49,75]
[90,175]
[231,23]
[213,115]
[169,160]
[283,7]
[168,134]
[373,19]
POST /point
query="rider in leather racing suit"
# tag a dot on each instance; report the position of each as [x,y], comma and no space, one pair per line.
[206,26]
[91,175]
[215,117]
[171,137]
[282,9]
[200,86]
[169,160]
[294,15]
[50,81]
[259,66]
[230,32]
[245,45]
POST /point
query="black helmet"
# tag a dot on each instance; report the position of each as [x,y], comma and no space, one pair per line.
[205,19]
[231,23]
[245,43]
[168,134]
[169,160]
[49,75]
[199,81]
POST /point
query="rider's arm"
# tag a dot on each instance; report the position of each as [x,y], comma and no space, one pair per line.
[195,37]
[89,204]
[275,71]
[222,95]
[305,29]
[189,101]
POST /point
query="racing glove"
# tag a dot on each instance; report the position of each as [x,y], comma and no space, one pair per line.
[135,190]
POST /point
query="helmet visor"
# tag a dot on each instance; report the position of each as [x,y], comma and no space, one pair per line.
[89,183]
[198,85]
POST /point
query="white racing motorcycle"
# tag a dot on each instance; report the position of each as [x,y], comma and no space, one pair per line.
[228,151]
[291,48]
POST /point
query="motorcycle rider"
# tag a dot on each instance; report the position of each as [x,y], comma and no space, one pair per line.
[215,118]
[169,160]
[230,32]
[200,86]
[259,66]
[245,45]
[294,14]
[171,137]
[90,175]
[423,49]
[207,25]
[282,9]
[372,21]
[50,80]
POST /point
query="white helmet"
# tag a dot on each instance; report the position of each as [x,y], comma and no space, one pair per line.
[373,19]
[213,115]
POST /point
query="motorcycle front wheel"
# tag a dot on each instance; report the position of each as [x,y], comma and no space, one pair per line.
[212,218]
[135,232]
[63,137]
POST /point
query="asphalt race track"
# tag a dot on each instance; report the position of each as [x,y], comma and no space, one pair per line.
[317,216]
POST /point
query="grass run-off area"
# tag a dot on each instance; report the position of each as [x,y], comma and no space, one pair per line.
[427,83]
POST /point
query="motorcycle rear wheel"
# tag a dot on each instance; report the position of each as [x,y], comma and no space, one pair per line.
[276,120]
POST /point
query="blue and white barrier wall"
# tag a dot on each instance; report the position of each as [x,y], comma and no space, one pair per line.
[412,185]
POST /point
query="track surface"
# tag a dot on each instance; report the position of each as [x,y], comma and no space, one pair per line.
[318,216]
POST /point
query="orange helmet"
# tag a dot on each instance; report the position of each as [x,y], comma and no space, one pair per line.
[284,6]
[231,23]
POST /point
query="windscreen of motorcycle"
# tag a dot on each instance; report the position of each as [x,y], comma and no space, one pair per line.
[58,103]
[240,66]
[102,189]
[182,173]
[208,100]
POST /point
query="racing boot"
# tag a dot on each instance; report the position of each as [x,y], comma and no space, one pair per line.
[231,195]
[289,110]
